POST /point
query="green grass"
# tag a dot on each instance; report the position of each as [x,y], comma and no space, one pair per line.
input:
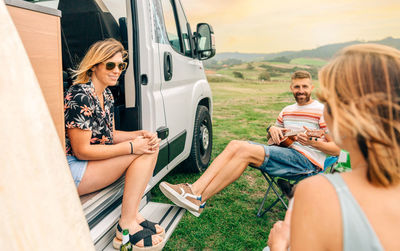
[308,61]
[242,110]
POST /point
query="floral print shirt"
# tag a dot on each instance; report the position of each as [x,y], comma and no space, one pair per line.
[82,110]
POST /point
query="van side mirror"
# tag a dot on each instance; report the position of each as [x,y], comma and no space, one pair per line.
[205,41]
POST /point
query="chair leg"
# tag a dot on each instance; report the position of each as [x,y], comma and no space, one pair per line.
[271,185]
[263,202]
[267,210]
[280,197]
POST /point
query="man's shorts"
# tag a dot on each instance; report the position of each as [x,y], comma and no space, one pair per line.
[286,162]
[77,167]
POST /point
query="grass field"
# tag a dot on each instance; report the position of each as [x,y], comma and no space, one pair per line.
[241,111]
[308,61]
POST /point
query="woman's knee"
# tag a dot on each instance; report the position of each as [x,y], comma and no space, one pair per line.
[156,152]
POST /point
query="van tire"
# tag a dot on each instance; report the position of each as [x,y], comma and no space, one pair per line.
[200,153]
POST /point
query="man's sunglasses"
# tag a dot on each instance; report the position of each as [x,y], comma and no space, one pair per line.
[111,65]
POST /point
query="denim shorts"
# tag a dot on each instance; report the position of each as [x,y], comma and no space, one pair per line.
[77,167]
[286,162]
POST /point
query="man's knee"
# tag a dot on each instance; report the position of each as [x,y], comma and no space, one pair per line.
[235,146]
[239,148]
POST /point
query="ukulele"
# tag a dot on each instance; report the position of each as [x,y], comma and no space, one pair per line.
[290,137]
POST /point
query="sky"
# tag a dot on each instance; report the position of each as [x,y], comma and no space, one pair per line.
[265,26]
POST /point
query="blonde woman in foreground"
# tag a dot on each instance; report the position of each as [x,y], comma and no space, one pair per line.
[358,210]
[98,154]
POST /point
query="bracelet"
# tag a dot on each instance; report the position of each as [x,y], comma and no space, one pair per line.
[130,142]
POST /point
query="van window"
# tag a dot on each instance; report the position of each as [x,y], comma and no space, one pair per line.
[183,24]
[159,32]
[170,25]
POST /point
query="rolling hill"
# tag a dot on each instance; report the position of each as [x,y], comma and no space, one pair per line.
[322,52]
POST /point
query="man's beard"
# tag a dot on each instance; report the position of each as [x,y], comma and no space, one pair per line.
[306,99]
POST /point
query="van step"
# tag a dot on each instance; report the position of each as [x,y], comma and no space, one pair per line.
[99,204]
[168,216]
[95,204]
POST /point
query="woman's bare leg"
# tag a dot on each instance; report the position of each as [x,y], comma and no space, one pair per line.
[228,167]
[139,170]
[136,179]
[101,173]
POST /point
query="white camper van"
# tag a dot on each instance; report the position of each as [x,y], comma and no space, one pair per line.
[163,90]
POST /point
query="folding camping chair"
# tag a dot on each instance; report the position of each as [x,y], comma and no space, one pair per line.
[273,183]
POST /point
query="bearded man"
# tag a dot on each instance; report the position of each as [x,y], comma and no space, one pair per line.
[304,157]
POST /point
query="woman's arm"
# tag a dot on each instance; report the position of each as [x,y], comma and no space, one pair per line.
[316,219]
[80,142]
[121,136]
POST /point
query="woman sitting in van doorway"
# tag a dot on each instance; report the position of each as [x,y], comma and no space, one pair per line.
[98,154]
[357,210]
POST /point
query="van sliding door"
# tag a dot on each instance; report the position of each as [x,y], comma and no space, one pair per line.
[179,74]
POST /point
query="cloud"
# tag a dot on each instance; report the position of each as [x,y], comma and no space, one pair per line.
[271,26]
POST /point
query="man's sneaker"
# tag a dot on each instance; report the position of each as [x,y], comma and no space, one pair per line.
[197,213]
[181,195]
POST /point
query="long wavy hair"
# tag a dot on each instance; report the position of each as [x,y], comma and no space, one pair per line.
[361,88]
[97,53]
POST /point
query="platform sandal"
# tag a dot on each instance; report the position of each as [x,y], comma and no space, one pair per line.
[145,224]
[145,235]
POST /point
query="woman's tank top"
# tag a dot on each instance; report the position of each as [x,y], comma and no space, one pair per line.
[357,231]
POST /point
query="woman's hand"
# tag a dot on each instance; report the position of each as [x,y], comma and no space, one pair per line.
[279,237]
[153,138]
[142,145]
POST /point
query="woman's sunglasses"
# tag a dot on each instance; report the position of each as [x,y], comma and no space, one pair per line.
[111,65]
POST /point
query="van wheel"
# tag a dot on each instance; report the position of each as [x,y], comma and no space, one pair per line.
[200,153]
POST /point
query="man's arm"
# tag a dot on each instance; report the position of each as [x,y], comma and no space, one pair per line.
[277,130]
[328,147]
[276,133]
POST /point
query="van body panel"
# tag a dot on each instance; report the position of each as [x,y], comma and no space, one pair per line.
[161,88]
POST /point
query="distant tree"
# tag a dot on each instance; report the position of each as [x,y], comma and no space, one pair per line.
[210,62]
[313,71]
[264,76]
[281,59]
[238,74]
[250,66]
[231,61]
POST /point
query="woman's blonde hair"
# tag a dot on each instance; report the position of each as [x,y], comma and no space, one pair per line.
[97,53]
[361,88]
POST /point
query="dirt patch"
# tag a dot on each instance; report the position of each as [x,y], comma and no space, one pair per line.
[251,180]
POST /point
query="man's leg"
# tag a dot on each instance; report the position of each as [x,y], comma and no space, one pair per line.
[228,167]
[287,163]
[225,169]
